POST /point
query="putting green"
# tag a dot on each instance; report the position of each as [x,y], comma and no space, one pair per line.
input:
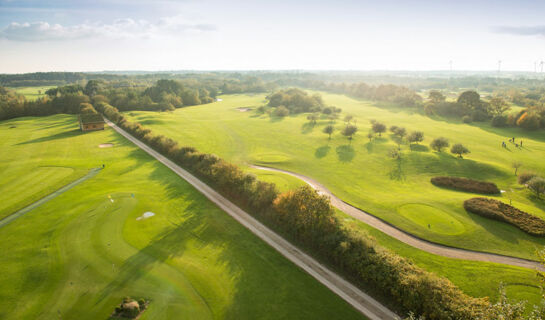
[433,219]
[271,158]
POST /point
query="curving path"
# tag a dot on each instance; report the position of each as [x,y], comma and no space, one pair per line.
[364,303]
[431,247]
[50,196]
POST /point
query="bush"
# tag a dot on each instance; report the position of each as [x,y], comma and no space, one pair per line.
[523,178]
[499,121]
[537,185]
[529,121]
[465,184]
[467,119]
[281,111]
[500,211]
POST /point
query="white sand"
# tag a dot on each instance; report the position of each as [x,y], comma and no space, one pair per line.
[146,215]
[105,145]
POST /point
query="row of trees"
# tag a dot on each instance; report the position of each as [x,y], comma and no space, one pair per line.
[309,220]
[295,101]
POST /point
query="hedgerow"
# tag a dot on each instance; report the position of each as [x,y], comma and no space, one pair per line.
[465,184]
[309,220]
[500,211]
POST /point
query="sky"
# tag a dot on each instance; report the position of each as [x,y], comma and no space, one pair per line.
[162,35]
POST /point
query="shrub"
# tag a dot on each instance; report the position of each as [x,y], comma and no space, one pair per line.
[439,143]
[500,211]
[524,177]
[378,127]
[537,185]
[529,121]
[465,184]
[499,121]
[467,119]
[281,111]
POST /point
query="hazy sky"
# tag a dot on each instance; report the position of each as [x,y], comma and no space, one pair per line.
[64,35]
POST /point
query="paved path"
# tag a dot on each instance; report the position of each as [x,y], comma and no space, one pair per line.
[50,196]
[407,238]
[354,296]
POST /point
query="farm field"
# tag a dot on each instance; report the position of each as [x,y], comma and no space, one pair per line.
[361,173]
[79,254]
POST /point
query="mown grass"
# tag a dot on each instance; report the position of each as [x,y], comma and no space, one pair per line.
[79,254]
[32,93]
[361,173]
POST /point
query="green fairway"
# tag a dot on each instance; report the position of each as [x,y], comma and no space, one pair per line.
[32,93]
[361,173]
[79,254]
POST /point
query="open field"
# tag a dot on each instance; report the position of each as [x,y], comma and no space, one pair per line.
[79,254]
[362,174]
[32,93]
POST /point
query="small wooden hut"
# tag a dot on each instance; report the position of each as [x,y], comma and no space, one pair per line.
[91,122]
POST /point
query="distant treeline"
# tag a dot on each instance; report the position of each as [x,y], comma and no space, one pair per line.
[309,220]
[164,95]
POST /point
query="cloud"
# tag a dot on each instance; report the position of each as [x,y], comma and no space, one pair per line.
[521,31]
[119,29]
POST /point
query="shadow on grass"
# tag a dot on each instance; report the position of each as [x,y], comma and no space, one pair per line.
[346,153]
[322,151]
[442,163]
[419,148]
[397,172]
[503,230]
[370,146]
[58,136]
[307,127]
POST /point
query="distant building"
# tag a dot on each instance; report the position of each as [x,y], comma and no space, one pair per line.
[91,122]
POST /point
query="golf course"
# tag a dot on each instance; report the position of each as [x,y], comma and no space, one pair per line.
[361,173]
[133,229]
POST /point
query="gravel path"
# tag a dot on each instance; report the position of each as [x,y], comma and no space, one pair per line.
[438,249]
[354,296]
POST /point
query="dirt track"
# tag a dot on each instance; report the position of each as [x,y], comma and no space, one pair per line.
[407,238]
[354,296]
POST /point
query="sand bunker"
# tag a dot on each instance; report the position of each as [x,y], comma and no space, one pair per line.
[105,145]
[218,99]
[146,215]
[244,109]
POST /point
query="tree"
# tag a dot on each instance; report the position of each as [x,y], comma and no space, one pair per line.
[349,131]
[435,97]
[86,108]
[439,143]
[370,135]
[379,128]
[393,129]
[329,130]
[459,149]
[400,132]
[537,185]
[348,118]
[415,137]
[313,118]
[516,165]
[498,106]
